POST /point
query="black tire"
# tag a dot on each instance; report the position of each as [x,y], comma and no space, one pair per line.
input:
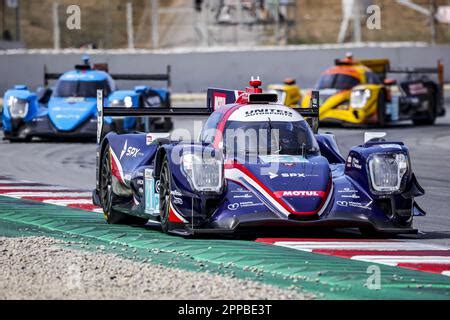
[431,115]
[106,196]
[381,109]
[168,124]
[161,125]
[12,139]
[164,195]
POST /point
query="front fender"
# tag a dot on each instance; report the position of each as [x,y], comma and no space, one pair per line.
[357,163]
[118,98]
[120,95]
[399,206]
[334,106]
[22,94]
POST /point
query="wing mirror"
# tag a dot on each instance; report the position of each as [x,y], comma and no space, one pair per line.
[374,136]
[390,82]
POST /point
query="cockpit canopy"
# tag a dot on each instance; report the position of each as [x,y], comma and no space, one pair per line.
[260,130]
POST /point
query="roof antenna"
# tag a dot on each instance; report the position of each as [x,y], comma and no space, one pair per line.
[255,84]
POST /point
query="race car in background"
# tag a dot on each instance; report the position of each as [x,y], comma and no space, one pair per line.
[358,92]
[258,166]
[68,110]
[289,93]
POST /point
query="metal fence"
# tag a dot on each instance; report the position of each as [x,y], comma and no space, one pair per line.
[192,23]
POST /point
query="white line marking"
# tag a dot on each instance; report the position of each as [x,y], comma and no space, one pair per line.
[394,260]
[377,246]
[68,202]
[47,194]
[14,181]
[43,188]
[446,273]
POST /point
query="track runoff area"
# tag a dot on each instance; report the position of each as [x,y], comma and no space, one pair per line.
[344,268]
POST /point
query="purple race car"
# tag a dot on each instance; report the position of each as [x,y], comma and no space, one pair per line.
[257,166]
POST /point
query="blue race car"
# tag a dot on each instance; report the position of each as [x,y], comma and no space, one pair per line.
[258,166]
[69,109]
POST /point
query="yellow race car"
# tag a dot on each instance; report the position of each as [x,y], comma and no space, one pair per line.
[359,93]
[289,93]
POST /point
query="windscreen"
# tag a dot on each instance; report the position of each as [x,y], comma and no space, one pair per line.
[372,78]
[81,89]
[270,137]
[337,81]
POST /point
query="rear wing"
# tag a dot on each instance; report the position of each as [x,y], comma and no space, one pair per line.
[140,112]
[165,77]
[438,71]
[311,114]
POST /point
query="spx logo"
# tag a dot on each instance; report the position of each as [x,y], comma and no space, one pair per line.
[289,175]
[129,151]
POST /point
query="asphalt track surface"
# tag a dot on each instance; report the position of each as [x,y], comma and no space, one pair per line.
[73,165]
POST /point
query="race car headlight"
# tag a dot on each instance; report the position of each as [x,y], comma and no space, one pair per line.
[388,172]
[359,98]
[18,108]
[204,173]
[127,102]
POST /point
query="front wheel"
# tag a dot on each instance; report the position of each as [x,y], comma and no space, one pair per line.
[14,139]
[164,195]
[106,196]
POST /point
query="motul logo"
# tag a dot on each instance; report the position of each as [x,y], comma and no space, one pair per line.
[299,194]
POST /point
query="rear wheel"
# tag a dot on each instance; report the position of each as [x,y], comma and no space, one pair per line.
[381,109]
[164,195]
[106,196]
[161,125]
[430,117]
